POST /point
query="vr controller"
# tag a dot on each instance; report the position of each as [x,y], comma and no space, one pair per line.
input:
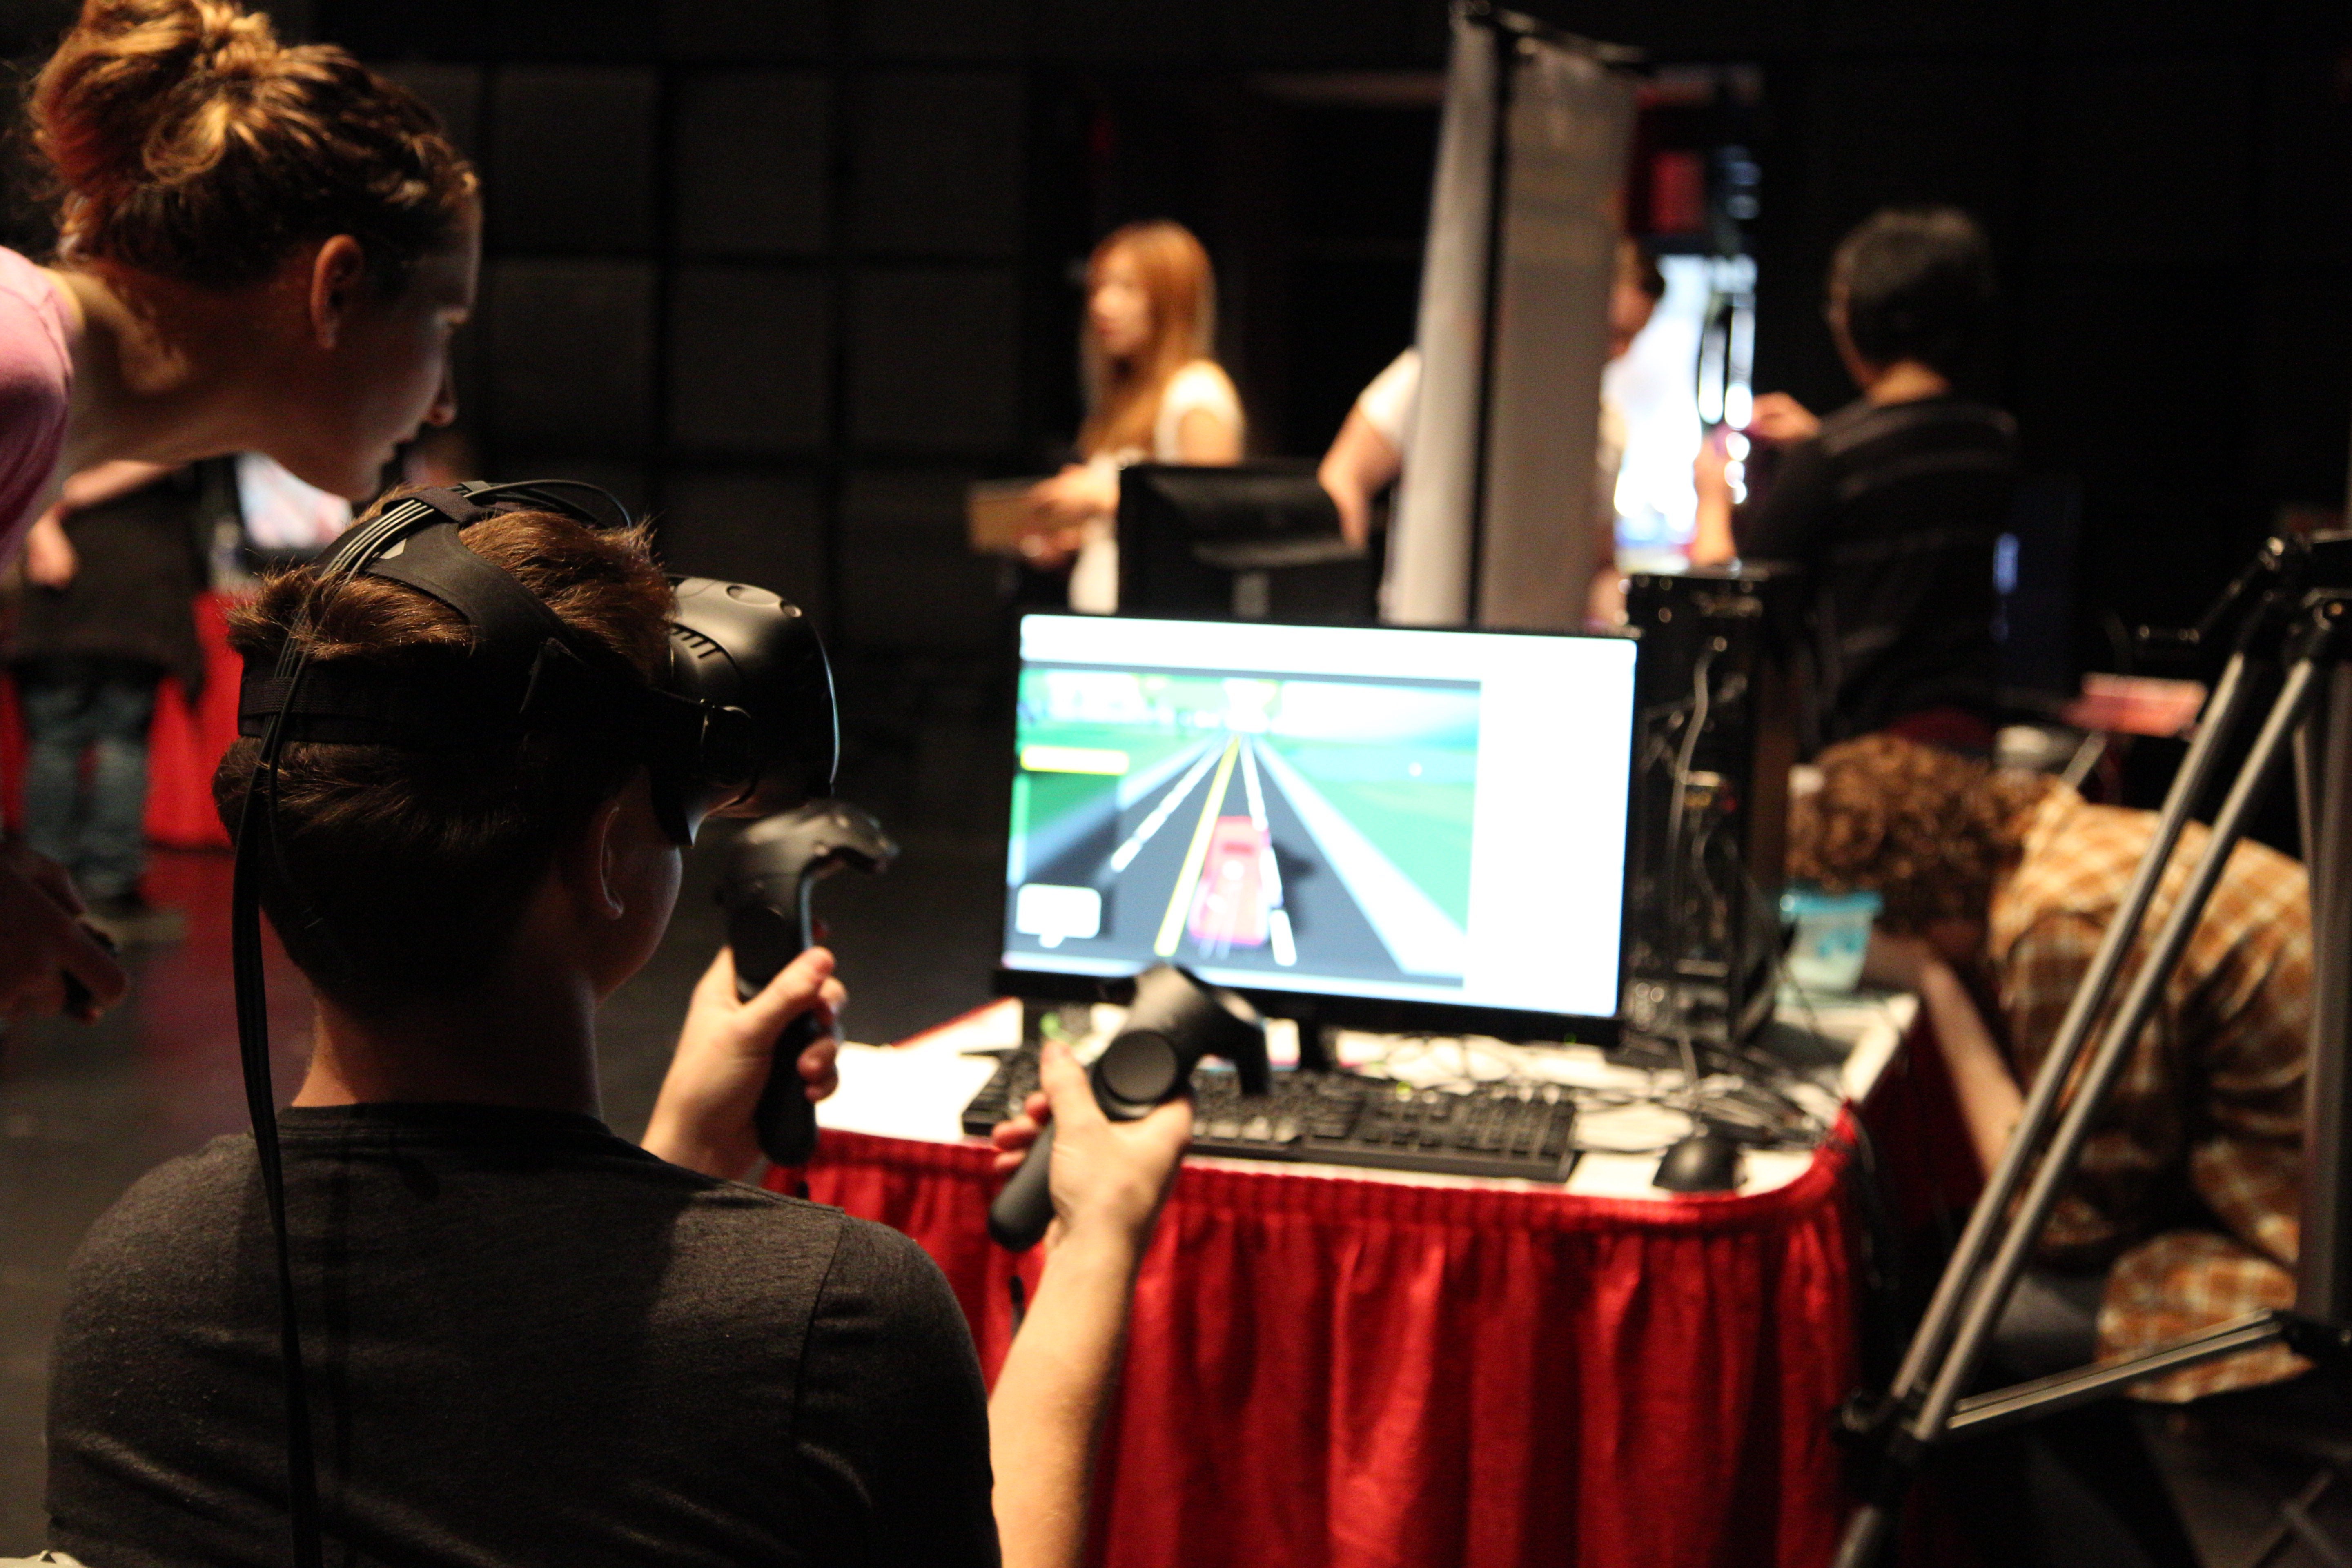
[771,870]
[1173,1022]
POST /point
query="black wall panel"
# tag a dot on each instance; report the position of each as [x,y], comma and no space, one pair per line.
[937,164]
[750,360]
[569,359]
[751,162]
[943,30]
[572,159]
[906,578]
[934,360]
[745,29]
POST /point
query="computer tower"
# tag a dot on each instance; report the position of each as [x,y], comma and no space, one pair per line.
[1715,734]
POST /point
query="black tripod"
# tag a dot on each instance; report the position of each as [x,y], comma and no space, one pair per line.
[2293,605]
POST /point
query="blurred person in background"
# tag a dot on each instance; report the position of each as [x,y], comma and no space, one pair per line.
[106,611]
[1154,394]
[260,249]
[1892,505]
[1370,451]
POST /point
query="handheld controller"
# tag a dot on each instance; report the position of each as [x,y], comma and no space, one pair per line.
[771,869]
[1173,1022]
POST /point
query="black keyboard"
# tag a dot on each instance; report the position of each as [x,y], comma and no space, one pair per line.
[1342,1118]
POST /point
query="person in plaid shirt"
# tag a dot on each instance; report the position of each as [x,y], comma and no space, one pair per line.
[1997,889]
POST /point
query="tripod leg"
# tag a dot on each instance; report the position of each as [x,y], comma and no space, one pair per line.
[2107,1064]
[1971,1296]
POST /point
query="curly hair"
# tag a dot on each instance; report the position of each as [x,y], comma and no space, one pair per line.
[419,862]
[1927,830]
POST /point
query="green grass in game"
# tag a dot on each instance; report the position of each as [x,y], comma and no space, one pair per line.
[1420,820]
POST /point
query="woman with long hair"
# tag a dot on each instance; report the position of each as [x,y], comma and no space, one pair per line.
[1154,394]
[259,249]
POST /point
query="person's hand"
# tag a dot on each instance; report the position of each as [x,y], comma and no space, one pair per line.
[1779,417]
[726,1051]
[50,561]
[42,941]
[1056,512]
[1893,962]
[1108,1177]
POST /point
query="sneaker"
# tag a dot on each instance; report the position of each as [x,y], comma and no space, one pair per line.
[132,921]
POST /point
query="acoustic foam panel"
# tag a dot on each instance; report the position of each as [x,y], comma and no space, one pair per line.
[751,161]
[937,163]
[906,580]
[569,351]
[572,159]
[934,359]
[750,360]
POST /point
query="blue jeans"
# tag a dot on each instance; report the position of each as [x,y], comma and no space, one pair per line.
[97,831]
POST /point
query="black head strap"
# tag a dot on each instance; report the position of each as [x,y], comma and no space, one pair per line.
[505,614]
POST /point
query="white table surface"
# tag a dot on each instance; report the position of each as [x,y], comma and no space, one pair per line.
[918,1090]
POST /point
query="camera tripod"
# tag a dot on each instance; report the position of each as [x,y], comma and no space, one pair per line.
[2292,607]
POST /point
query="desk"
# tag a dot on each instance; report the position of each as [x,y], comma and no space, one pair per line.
[1345,1369]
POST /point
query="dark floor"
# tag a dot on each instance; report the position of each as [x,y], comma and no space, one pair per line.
[85,1110]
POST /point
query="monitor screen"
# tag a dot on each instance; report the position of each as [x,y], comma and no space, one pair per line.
[1416,816]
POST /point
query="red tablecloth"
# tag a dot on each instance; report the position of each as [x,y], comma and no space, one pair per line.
[183,745]
[1355,1373]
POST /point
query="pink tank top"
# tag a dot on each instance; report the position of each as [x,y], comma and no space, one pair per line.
[36,390]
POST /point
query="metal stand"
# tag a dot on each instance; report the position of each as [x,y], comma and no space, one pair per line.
[2296,599]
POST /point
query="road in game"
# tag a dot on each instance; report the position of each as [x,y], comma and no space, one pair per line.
[1287,825]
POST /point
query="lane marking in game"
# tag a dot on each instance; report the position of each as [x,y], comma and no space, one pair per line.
[1173,925]
[1127,852]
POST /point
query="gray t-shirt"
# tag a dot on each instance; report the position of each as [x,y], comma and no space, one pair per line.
[529,1342]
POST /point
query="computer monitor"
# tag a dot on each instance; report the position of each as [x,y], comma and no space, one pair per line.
[1385,828]
[1257,540]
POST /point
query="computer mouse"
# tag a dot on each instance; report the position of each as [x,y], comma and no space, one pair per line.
[1702,1162]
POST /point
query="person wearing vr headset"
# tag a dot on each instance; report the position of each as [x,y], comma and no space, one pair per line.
[527,1341]
[260,249]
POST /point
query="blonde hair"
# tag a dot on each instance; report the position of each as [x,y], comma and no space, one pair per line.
[182,138]
[1123,394]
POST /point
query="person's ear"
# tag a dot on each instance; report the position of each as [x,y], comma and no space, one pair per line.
[591,863]
[337,279]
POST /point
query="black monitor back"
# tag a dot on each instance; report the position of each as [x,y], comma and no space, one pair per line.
[1260,541]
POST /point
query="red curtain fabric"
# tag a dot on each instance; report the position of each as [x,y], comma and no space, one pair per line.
[183,745]
[1334,1373]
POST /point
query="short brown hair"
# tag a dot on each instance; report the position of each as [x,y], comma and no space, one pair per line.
[185,141]
[417,863]
[1925,829]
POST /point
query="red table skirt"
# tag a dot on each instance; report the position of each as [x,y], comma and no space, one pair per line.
[1354,1373]
[183,745]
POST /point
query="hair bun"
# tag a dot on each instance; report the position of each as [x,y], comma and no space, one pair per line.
[185,141]
[131,93]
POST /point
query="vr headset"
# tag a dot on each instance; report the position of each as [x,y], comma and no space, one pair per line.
[739,723]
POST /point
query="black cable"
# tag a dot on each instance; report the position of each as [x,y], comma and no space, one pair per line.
[1677,923]
[251,988]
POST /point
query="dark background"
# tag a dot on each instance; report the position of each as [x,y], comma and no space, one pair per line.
[792,272]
